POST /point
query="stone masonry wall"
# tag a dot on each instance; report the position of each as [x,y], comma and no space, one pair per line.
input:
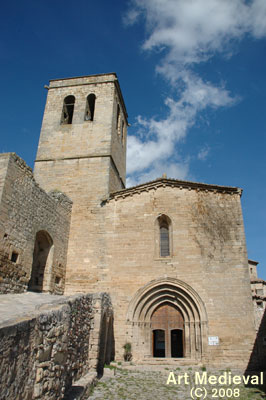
[208,252]
[83,139]
[86,160]
[41,356]
[25,210]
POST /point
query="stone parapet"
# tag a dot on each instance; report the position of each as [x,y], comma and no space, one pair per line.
[44,354]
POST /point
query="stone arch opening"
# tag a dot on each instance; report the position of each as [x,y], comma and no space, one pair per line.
[68,110]
[41,272]
[175,307]
[90,107]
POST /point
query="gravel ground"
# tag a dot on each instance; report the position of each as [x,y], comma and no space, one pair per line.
[148,383]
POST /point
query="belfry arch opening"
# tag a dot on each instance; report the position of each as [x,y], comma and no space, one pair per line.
[68,110]
[42,263]
[173,307]
[90,107]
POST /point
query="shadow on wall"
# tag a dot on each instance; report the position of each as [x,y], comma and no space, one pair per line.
[107,346]
[42,262]
[257,361]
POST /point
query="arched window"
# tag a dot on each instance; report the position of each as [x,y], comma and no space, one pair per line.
[164,241]
[164,224]
[68,110]
[90,106]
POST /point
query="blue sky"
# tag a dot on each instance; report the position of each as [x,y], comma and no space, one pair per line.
[193,76]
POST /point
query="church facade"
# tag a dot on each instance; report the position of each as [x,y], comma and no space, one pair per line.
[171,254]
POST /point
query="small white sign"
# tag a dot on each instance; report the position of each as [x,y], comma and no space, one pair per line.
[213,340]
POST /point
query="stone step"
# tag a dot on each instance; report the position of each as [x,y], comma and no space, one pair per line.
[82,388]
[170,361]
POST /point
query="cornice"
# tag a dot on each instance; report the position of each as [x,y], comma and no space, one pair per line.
[165,182]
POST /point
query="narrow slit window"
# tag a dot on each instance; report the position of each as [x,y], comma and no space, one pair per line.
[122,131]
[164,229]
[68,110]
[14,256]
[260,304]
[90,107]
[58,280]
[117,117]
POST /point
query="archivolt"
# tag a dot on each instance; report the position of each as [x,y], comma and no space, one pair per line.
[166,290]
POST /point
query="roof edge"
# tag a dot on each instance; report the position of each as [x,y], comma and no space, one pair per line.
[163,182]
[253,262]
[83,76]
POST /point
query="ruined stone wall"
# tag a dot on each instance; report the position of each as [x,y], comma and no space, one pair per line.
[25,210]
[43,355]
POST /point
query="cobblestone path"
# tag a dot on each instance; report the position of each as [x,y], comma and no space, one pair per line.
[147,383]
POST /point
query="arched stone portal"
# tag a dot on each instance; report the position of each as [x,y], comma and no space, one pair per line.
[171,306]
[169,320]
[42,263]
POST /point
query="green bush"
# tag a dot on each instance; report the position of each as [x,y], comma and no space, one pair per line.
[127,351]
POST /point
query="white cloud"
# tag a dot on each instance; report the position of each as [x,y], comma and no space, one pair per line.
[187,32]
[192,30]
[157,138]
[172,170]
[203,153]
[131,17]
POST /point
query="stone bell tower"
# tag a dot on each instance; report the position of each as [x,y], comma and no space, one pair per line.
[82,152]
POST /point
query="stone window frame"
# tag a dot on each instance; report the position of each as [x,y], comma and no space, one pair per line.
[122,131]
[118,118]
[260,305]
[162,219]
[90,107]
[120,122]
[14,251]
[68,110]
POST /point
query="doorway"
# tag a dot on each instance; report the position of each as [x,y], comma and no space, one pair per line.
[158,343]
[167,327]
[176,343]
[42,261]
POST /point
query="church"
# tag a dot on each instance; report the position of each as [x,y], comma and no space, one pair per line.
[171,254]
